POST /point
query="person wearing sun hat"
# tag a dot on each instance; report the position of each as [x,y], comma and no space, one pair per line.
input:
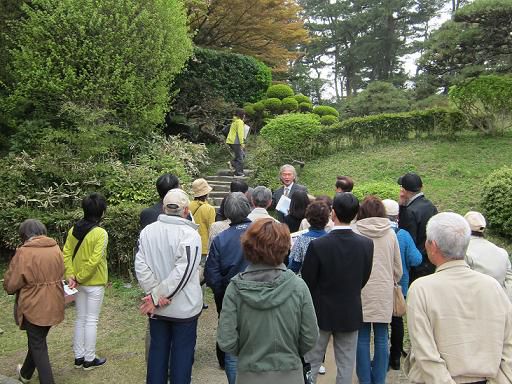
[167,268]
[202,212]
[484,256]
[415,211]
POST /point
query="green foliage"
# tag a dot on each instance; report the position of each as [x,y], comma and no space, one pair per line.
[497,200]
[249,110]
[486,101]
[378,97]
[381,189]
[398,126]
[111,55]
[289,104]
[279,91]
[305,106]
[328,120]
[302,98]
[324,110]
[274,105]
[259,106]
[292,135]
[432,101]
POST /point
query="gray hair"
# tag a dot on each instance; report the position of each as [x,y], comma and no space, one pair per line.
[261,196]
[236,207]
[451,233]
[30,228]
[288,167]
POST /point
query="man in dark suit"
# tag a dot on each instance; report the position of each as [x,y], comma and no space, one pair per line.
[288,176]
[415,211]
[336,267]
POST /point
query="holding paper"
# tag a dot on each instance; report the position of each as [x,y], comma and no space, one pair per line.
[283,205]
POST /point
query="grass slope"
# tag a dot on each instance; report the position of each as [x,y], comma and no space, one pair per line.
[452,171]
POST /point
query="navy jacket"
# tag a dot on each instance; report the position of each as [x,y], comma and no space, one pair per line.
[225,258]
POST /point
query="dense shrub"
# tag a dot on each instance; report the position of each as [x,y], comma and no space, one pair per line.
[293,135]
[323,110]
[273,105]
[279,91]
[249,109]
[328,120]
[380,189]
[305,106]
[486,101]
[117,56]
[399,126]
[259,106]
[289,104]
[497,200]
[302,98]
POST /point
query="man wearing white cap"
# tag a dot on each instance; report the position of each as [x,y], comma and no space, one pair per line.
[167,268]
[486,257]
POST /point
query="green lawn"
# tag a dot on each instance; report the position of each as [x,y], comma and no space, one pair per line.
[452,171]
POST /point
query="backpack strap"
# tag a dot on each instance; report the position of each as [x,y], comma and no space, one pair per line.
[77,246]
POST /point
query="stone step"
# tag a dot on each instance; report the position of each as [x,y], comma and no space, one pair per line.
[215,201]
[227,179]
[228,172]
[219,187]
[220,194]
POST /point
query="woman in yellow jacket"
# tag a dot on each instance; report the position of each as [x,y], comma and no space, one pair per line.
[85,259]
[236,142]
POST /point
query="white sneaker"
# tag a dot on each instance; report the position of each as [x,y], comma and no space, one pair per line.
[321,370]
[21,378]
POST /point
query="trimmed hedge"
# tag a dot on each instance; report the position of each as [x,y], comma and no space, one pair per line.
[328,120]
[380,189]
[497,200]
[325,110]
[273,105]
[280,91]
[289,104]
[305,106]
[302,98]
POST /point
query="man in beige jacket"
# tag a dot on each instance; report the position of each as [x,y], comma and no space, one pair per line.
[459,320]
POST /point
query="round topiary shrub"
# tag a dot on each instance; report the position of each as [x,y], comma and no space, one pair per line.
[302,98]
[381,189]
[279,91]
[497,200]
[328,120]
[249,109]
[323,110]
[259,106]
[289,104]
[292,135]
[305,107]
[273,105]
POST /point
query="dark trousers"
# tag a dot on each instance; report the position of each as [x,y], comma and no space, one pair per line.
[177,339]
[238,160]
[220,353]
[37,355]
[397,338]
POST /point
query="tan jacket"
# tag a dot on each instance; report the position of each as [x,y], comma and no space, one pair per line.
[460,327]
[377,294]
[35,275]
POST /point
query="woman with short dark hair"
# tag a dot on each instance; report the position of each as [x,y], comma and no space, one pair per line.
[85,257]
[377,294]
[35,276]
[267,319]
[317,214]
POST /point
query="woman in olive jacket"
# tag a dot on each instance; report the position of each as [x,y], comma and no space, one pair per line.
[268,320]
[35,276]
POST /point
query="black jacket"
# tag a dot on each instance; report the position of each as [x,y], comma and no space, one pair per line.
[414,218]
[336,267]
[279,192]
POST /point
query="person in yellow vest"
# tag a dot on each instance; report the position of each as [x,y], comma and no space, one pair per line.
[236,141]
[204,216]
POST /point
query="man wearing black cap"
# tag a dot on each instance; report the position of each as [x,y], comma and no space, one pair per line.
[415,212]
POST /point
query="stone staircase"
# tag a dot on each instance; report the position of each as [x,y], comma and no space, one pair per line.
[220,184]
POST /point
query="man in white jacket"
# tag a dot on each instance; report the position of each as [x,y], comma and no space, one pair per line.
[166,266]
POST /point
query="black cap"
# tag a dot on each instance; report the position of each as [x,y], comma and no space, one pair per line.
[410,182]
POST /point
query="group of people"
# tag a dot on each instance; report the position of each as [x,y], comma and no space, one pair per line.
[285,281]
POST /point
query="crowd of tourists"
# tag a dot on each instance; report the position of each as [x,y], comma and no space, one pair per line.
[290,273]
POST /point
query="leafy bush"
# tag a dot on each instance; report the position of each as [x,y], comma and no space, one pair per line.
[323,110]
[302,98]
[497,200]
[249,110]
[378,97]
[116,56]
[289,104]
[328,120]
[293,135]
[305,106]
[273,105]
[398,126]
[259,106]
[279,91]
[380,189]
[486,101]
